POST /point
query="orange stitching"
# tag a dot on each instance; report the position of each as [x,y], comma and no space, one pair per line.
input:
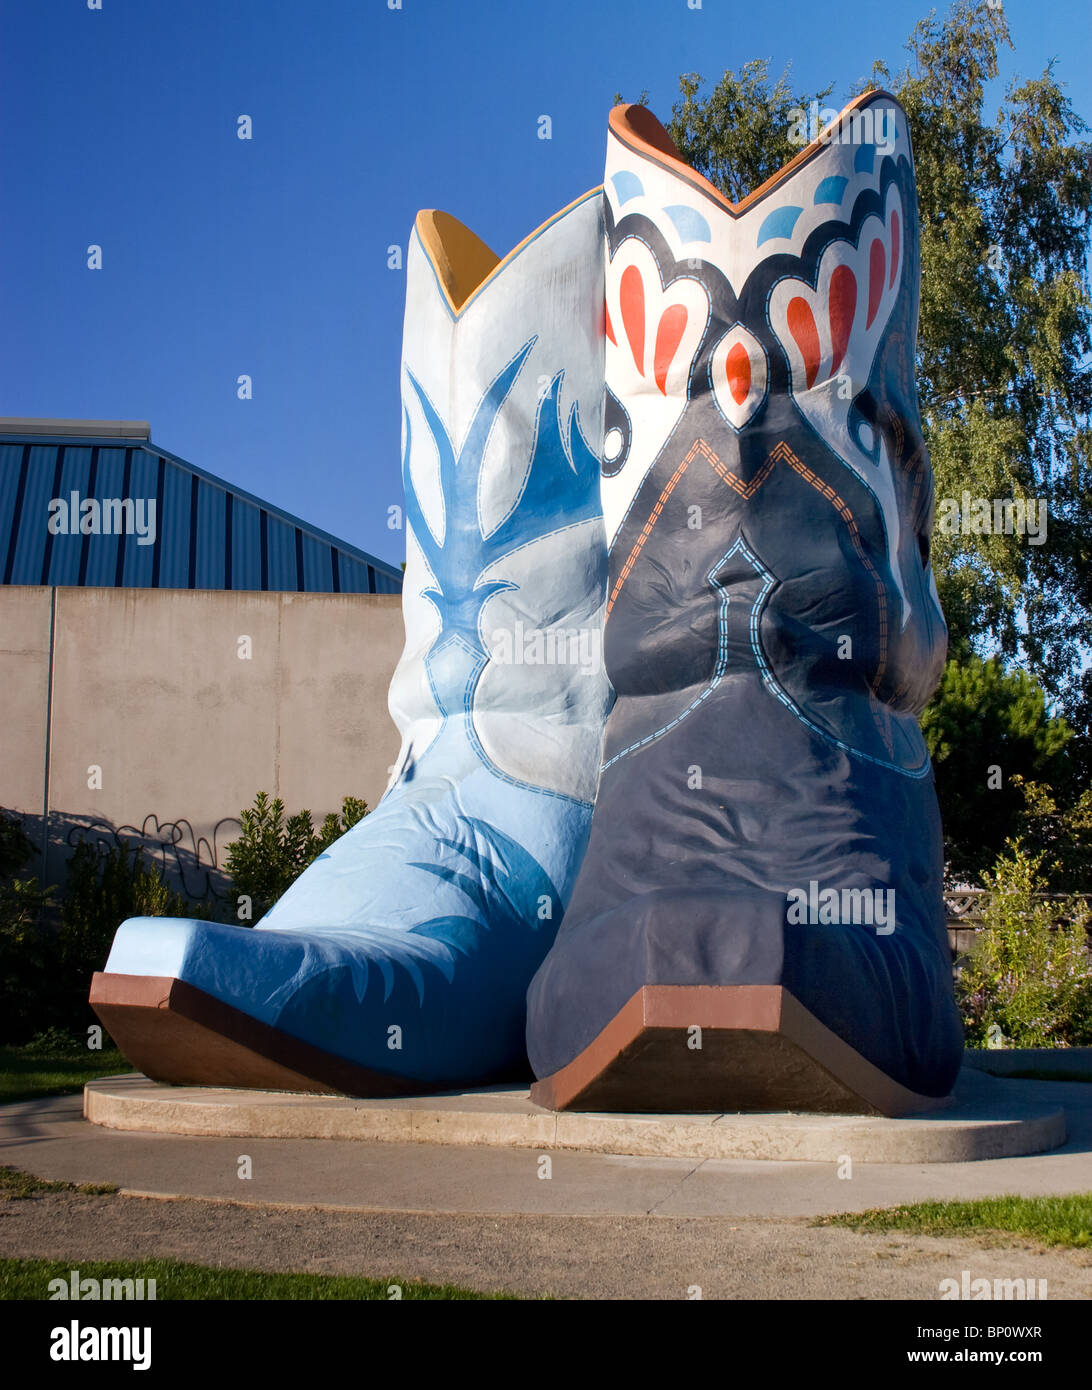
[649,524]
[745,490]
[781,451]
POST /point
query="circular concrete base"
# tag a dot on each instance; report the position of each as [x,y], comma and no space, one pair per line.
[985,1118]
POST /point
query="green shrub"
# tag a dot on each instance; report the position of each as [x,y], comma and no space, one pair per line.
[1028,973]
[16,850]
[272,852]
[25,949]
[45,971]
[27,954]
[56,1042]
[1062,830]
[103,887]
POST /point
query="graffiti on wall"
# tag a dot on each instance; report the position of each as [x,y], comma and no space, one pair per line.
[191,863]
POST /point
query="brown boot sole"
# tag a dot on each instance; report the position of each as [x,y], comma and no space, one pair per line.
[760,1049]
[172,1031]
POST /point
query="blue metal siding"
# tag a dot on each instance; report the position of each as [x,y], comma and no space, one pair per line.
[32,515]
[101,550]
[175,525]
[318,570]
[12,480]
[207,534]
[65,551]
[281,555]
[139,570]
[211,551]
[354,576]
[246,546]
[11,466]
[386,583]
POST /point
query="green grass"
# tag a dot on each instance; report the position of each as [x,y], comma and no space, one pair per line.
[31,1071]
[1064,1221]
[175,1281]
[15,1184]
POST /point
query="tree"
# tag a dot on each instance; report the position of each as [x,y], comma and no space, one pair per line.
[988,731]
[1004,373]
[1062,833]
[741,133]
[1005,333]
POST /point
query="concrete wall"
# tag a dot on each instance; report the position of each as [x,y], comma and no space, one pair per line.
[154,688]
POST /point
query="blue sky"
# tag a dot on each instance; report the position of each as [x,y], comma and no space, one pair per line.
[269,257]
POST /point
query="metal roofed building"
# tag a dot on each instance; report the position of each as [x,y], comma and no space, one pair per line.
[96,503]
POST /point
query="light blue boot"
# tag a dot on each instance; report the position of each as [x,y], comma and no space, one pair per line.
[400,959]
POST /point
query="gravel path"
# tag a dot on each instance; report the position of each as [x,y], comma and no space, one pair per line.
[639,1257]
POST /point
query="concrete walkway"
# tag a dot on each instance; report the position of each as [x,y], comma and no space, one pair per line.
[50,1138]
[567,1223]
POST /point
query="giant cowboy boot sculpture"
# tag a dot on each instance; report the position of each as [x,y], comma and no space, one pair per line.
[400,959]
[759,920]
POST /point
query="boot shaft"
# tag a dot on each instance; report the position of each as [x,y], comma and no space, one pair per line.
[505,562]
[767,493]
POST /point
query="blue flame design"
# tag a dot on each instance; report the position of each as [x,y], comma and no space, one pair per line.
[560,489]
